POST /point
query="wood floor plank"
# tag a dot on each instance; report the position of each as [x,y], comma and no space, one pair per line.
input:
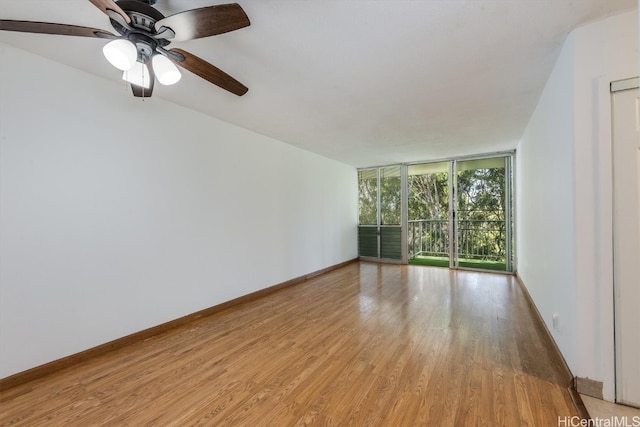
[366,344]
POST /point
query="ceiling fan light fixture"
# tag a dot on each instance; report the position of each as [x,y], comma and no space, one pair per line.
[121,53]
[165,70]
[144,32]
[138,75]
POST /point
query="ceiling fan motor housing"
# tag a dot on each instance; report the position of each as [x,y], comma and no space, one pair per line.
[142,27]
[151,2]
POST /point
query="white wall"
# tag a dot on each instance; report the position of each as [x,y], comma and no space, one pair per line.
[564,194]
[544,204]
[118,214]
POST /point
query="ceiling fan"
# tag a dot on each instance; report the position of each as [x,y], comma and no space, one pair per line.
[140,50]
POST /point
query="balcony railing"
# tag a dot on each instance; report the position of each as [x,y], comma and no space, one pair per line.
[478,239]
[428,237]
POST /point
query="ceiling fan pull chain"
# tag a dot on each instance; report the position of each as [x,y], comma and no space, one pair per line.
[143,82]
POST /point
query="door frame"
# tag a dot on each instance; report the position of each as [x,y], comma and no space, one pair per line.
[509,158]
[620,397]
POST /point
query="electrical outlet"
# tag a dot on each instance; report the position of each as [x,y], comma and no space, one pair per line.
[556,318]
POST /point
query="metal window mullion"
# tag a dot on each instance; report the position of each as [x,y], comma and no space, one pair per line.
[507,214]
[453,227]
[378,212]
[404,213]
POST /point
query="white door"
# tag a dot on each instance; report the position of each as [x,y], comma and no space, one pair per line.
[626,238]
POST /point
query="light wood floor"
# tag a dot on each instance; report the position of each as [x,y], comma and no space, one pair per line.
[365,345]
[607,410]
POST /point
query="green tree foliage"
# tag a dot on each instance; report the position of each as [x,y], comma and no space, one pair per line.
[428,196]
[428,200]
[367,197]
[481,214]
[390,196]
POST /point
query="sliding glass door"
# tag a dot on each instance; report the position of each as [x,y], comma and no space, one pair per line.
[482,213]
[459,214]
[428,231]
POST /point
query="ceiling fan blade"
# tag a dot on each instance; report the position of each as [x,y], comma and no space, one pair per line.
[209,72]
[105,5]
[205,22]
[51,28]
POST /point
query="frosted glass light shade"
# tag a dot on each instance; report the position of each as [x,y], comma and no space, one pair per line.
[165,70]
[121,53]
[138,75]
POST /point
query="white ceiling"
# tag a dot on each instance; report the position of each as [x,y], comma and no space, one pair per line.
[365,82]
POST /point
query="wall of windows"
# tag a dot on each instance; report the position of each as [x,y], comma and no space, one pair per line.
[455,213]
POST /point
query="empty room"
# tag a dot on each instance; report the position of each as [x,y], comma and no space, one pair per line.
[341,212]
